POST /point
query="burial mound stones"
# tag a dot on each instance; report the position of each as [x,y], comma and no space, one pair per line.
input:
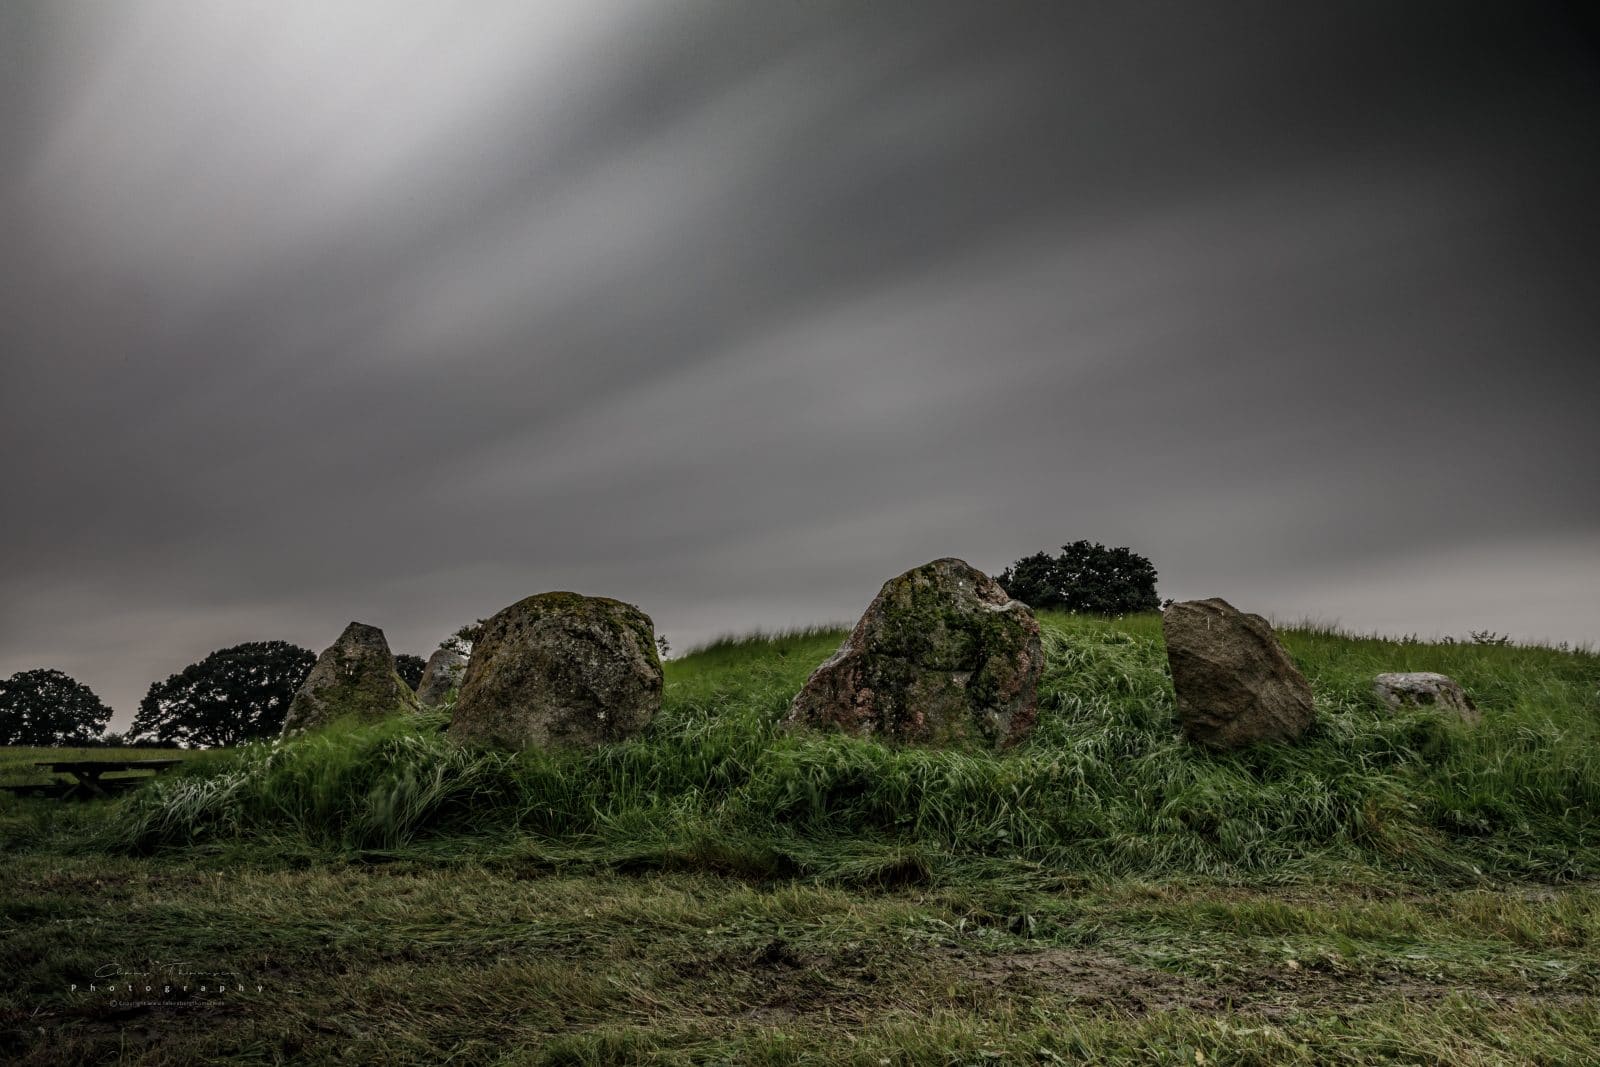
[1421,689]
[355,676]
[441,676]
[942,655]
[560,669]
[1235,684]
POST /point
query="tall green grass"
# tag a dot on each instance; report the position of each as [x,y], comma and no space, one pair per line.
[1104,784]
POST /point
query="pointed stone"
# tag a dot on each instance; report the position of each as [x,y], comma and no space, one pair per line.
[354,677]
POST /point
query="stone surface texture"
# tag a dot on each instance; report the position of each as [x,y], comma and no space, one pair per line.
[441,676]
[560,669]
[354,677]
[941,656]
[1235,683]
[1425,689]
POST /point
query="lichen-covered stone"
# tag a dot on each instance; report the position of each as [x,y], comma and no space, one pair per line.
[1234,681]
[560,669]
[942,656]
[354,677]
[441,676]
[1425,689]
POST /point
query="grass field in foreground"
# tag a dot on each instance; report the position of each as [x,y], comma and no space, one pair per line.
[1395,889]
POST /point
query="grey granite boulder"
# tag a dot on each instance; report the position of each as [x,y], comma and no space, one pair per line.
[942,655]
[560,669]
[354,677]
[1235,683]
[1425,689]
[441,677]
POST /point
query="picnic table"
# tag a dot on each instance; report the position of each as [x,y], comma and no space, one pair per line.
[86,777]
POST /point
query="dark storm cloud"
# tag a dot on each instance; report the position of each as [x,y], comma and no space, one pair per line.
[320,312]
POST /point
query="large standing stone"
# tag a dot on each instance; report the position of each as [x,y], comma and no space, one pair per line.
[1421,689]
[441,677]
[942,655]
[1235,683]
[560,669]
[354,677]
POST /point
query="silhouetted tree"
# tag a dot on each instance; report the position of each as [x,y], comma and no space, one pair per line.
[463,639]
[409,668]
[50,709]
[1086,576]
[233,695]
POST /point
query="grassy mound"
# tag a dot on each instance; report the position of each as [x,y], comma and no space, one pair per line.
[1104,784]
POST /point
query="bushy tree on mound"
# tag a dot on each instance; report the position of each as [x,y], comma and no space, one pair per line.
[410,668]
[1086,577]
[233,695]
[48,708]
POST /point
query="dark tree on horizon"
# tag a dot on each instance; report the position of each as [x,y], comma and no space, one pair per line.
[410,668]
[1086,577]
[49,709]
[234,695]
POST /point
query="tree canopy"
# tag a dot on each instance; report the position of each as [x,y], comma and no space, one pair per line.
[233,695]
[1088,577]
[463,639]
[48,708]
[409,668]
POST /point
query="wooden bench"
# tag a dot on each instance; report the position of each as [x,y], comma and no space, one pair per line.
[87,781]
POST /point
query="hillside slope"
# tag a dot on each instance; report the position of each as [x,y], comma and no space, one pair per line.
[1394,889]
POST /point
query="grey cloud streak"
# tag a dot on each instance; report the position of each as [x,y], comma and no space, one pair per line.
[318,312]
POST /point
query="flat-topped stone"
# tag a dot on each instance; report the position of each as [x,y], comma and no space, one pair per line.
[560,669]
[1234,681]
[1425,689]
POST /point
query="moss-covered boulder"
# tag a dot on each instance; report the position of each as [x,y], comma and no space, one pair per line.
[354,677]
[942,656]
[1235,682]
[441,676]
[560,669]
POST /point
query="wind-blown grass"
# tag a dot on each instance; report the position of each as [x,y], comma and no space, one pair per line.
[1104,784]
[717,892]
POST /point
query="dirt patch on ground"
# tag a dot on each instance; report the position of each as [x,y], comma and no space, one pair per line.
[1088,978]
[1101,981]
[777,981]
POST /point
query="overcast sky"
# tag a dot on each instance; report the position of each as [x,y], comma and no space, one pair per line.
[314,312]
